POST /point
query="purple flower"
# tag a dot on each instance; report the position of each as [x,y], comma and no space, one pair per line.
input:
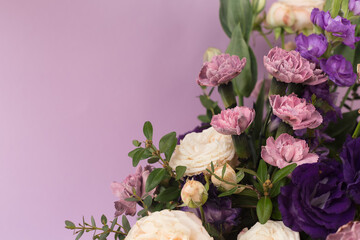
[354,6]
[220,70]
[315,201]
[338,26]
[339,70]
[350,157]
[311,47]
[124,190]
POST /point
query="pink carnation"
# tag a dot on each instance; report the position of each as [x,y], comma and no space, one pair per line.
[220,70]
[288,67]
[350,231]
[295,111]
[286,150]
[124,190]
[318,78]
[233,121]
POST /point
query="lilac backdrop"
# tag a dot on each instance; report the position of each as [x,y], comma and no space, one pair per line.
[78,78]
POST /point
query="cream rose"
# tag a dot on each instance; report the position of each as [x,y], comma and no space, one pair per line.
[168,224]
[197,150]
[271,230]
[293,13]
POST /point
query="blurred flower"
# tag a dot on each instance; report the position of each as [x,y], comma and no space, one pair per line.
[358,70]
[288,67]
[167,224]
[260,5]
[197,150]
[286,150]
[349,231]
[220,70]
[295,111]
[339,70]
[229,176]
[292,13]
[319,77]
[210,53]
[311,47]
[233,121]
[350,157]
[289,46]
[134,182]
[194,194]
[315,201]
[338,26]
[354,6]
[269,231]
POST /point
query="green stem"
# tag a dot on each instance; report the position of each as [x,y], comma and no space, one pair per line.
[346,96]
[284,128]
[241,145]
[226,92]
[282,39]
[266,39]
[202,215]
[357,131]
[241,101]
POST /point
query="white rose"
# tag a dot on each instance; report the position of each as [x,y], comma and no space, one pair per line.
[271,230]
[167,224]
[197,150]
[293,13]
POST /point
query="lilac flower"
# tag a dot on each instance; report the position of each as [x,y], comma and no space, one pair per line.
[339,70]
[350,157]
[315,201]
[125,189]
[311,47]
[220,70]
[354,6]
[338,26]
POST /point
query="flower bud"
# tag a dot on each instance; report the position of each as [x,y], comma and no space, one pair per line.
[210,53]
[229,176]
[259,4]
[358,70]
[194,194]
[280,15]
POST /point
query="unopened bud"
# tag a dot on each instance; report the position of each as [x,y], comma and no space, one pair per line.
[194,194]
[210,53]
[358,71]
[259,4]
[229,176]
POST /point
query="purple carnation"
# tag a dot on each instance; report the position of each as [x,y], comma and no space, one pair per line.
[339,70]
[315,201]
[311,47]
[350,157]
[338,26]
[354,6]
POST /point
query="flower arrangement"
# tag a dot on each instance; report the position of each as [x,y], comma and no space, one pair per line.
[286,168]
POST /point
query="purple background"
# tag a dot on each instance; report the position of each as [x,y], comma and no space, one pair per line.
[78,78]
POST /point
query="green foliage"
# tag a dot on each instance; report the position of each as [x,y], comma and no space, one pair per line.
[335,7]
[125,224]
[154,179]
[167,144]
[262,171]
[180,171]
[264,209]
[284,172]
[148,130]
[168,194]
[259,112]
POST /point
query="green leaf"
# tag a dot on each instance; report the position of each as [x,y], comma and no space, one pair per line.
[132,153]
[153,160]
[154,179]
[223,171]
[254,70]
[148,201]
[168,194]
[113,224]
[148,130]
[69,224]
[243,83]
[259,111]
[345,7]
[125,224]
[142,212]
[275,190]
[276,214]
[327,5]
[79,235]
[228,193]
[262,171]
[131,199]
[335,8]
[277,32]
[136,143]
[240,176]
[212,167]
[235,12]
[207,102]
[204,118]
[284,172]
[167,144]
[138,156]
[264,209]
[180,170]
[356,60]
[103,219]
[93,223]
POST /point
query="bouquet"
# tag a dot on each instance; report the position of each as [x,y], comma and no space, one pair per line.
[285,168]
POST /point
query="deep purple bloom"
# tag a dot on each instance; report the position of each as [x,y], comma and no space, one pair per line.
[311,47]
[339,70]
[218,211]
[354,6]
[315,201]
[338,26]
[350,157]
